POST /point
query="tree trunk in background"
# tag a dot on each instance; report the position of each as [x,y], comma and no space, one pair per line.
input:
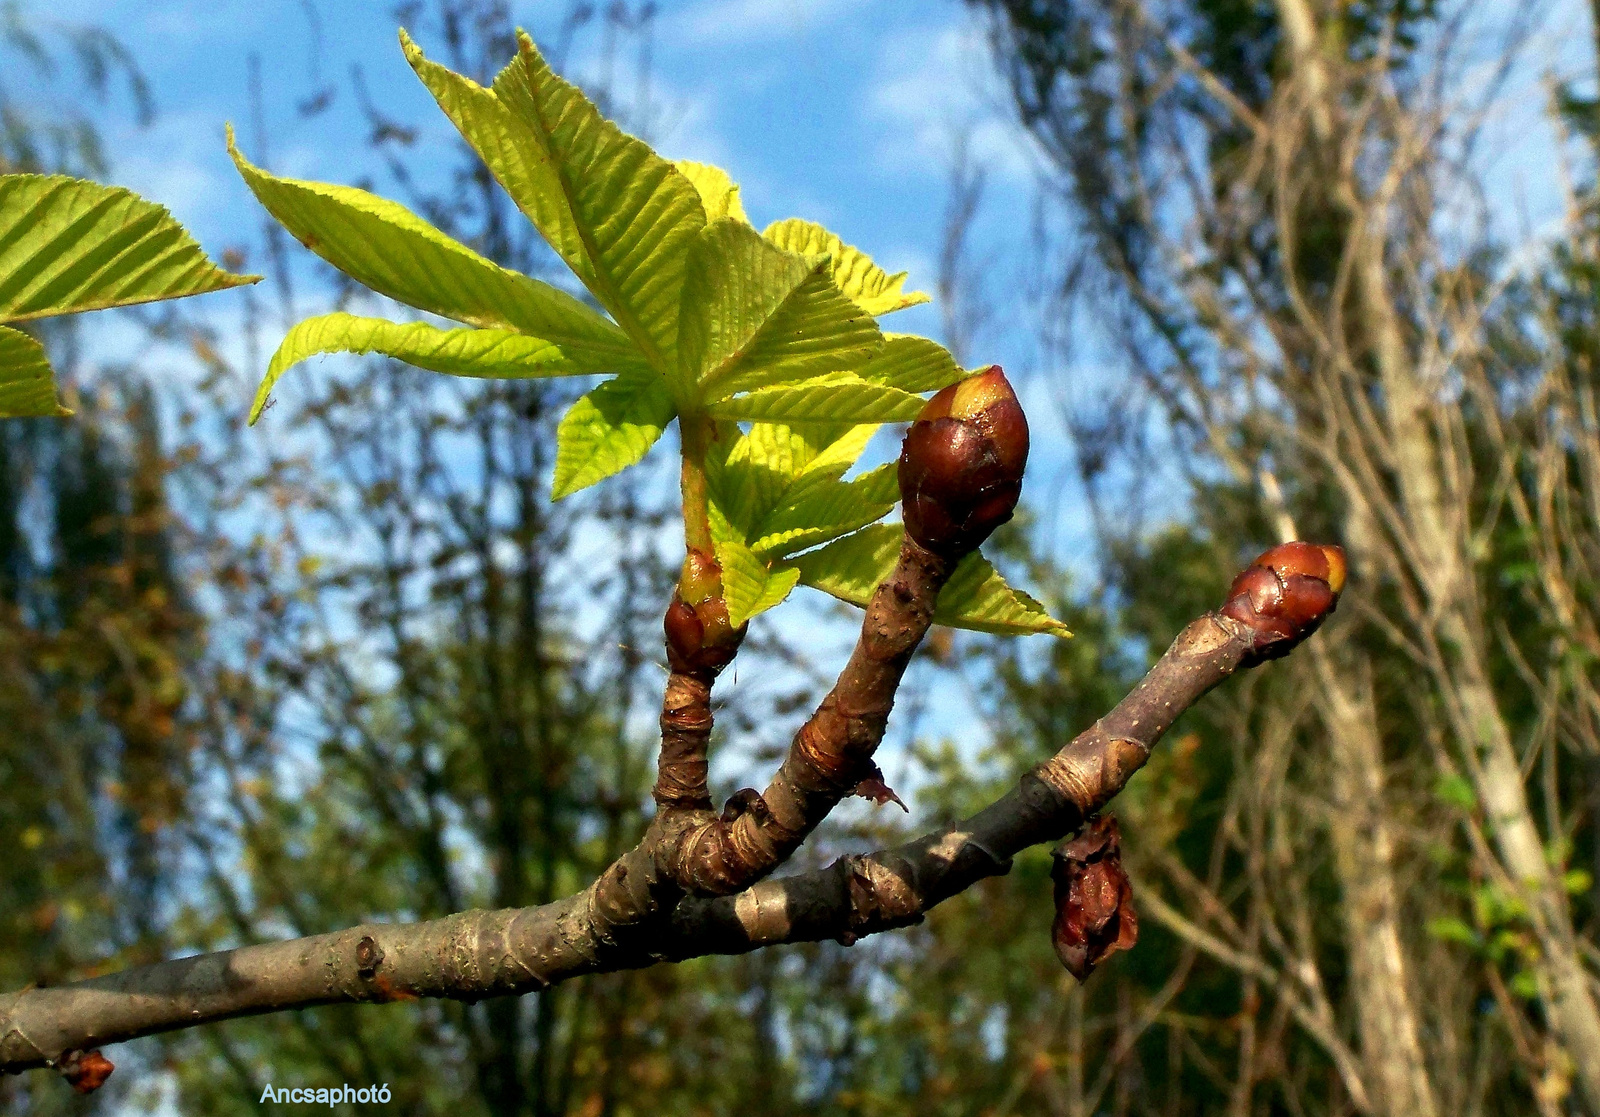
[1391,1049]
[1434,557]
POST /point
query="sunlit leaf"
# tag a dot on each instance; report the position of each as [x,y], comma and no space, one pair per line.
[754,316]
[719,194]
[492,354]
[620,215]
[837,398]
[976,597]
[827,511]
[27,387]
[749,583]
[862,281]
[67,245]
[396,253]
[609,429]
[912,364]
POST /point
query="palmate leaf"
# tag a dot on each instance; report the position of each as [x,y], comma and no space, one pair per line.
[719,194]
[620,216]
[976,597]
[493,354]
[750,583]
[27,388]
[755,315]
[609,429]
[863,282]
[912,364]
[393,251]
[777,490]
[67,245]
[836,398]
[815,513]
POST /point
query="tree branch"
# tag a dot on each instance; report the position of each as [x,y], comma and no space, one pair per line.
[478,954]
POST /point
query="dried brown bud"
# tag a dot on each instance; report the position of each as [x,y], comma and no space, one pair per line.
[85,1071]
[1094,901]
[961,464]
[1286,594]
[876,788]
[700,638]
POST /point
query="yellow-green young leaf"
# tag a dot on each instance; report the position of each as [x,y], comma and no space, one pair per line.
[751,480]
[620,215]
[755,315]
[828,510]
[396,253]
[865,283]
[27,387]
[976,597]
[749,585]
[912,364]
[609,429]
[836,398]
[68,245]
[719,194]
[491,354]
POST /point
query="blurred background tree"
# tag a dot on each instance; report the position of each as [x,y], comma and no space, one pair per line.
[364,669]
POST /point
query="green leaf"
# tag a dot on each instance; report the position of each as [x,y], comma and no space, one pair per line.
[27,387]
[1456,791]
[609,429]
[976,597]
[719,194]
[620,216]
[1451,929]
[494,354]
[839,397]
[912,364]
[862,281]
[755,315]
[825,511]
[752,478]
[396,253]
[749,585]
[68,245]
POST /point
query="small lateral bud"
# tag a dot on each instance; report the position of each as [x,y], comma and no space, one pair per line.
[1286,594]
[1094,901]
[85,1071]
[700,638]
[961,464]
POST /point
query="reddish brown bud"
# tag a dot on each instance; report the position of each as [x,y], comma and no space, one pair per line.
[962,462]
[1286,594]
[700,638]
[85,1071]
[1094,901]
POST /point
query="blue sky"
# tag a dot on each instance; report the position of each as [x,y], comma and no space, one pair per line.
[842,111]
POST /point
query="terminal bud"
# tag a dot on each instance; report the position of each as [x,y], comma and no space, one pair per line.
[1286,594]
[961,464]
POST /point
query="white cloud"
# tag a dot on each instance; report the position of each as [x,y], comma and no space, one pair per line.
[937,85]
[749,21]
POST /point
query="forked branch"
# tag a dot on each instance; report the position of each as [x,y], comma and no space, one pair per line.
[1272,606]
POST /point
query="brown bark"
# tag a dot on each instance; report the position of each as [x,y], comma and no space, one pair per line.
[632,916]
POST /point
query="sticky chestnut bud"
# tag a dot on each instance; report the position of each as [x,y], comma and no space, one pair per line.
[1286,594]
[961,464]
[700,638]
